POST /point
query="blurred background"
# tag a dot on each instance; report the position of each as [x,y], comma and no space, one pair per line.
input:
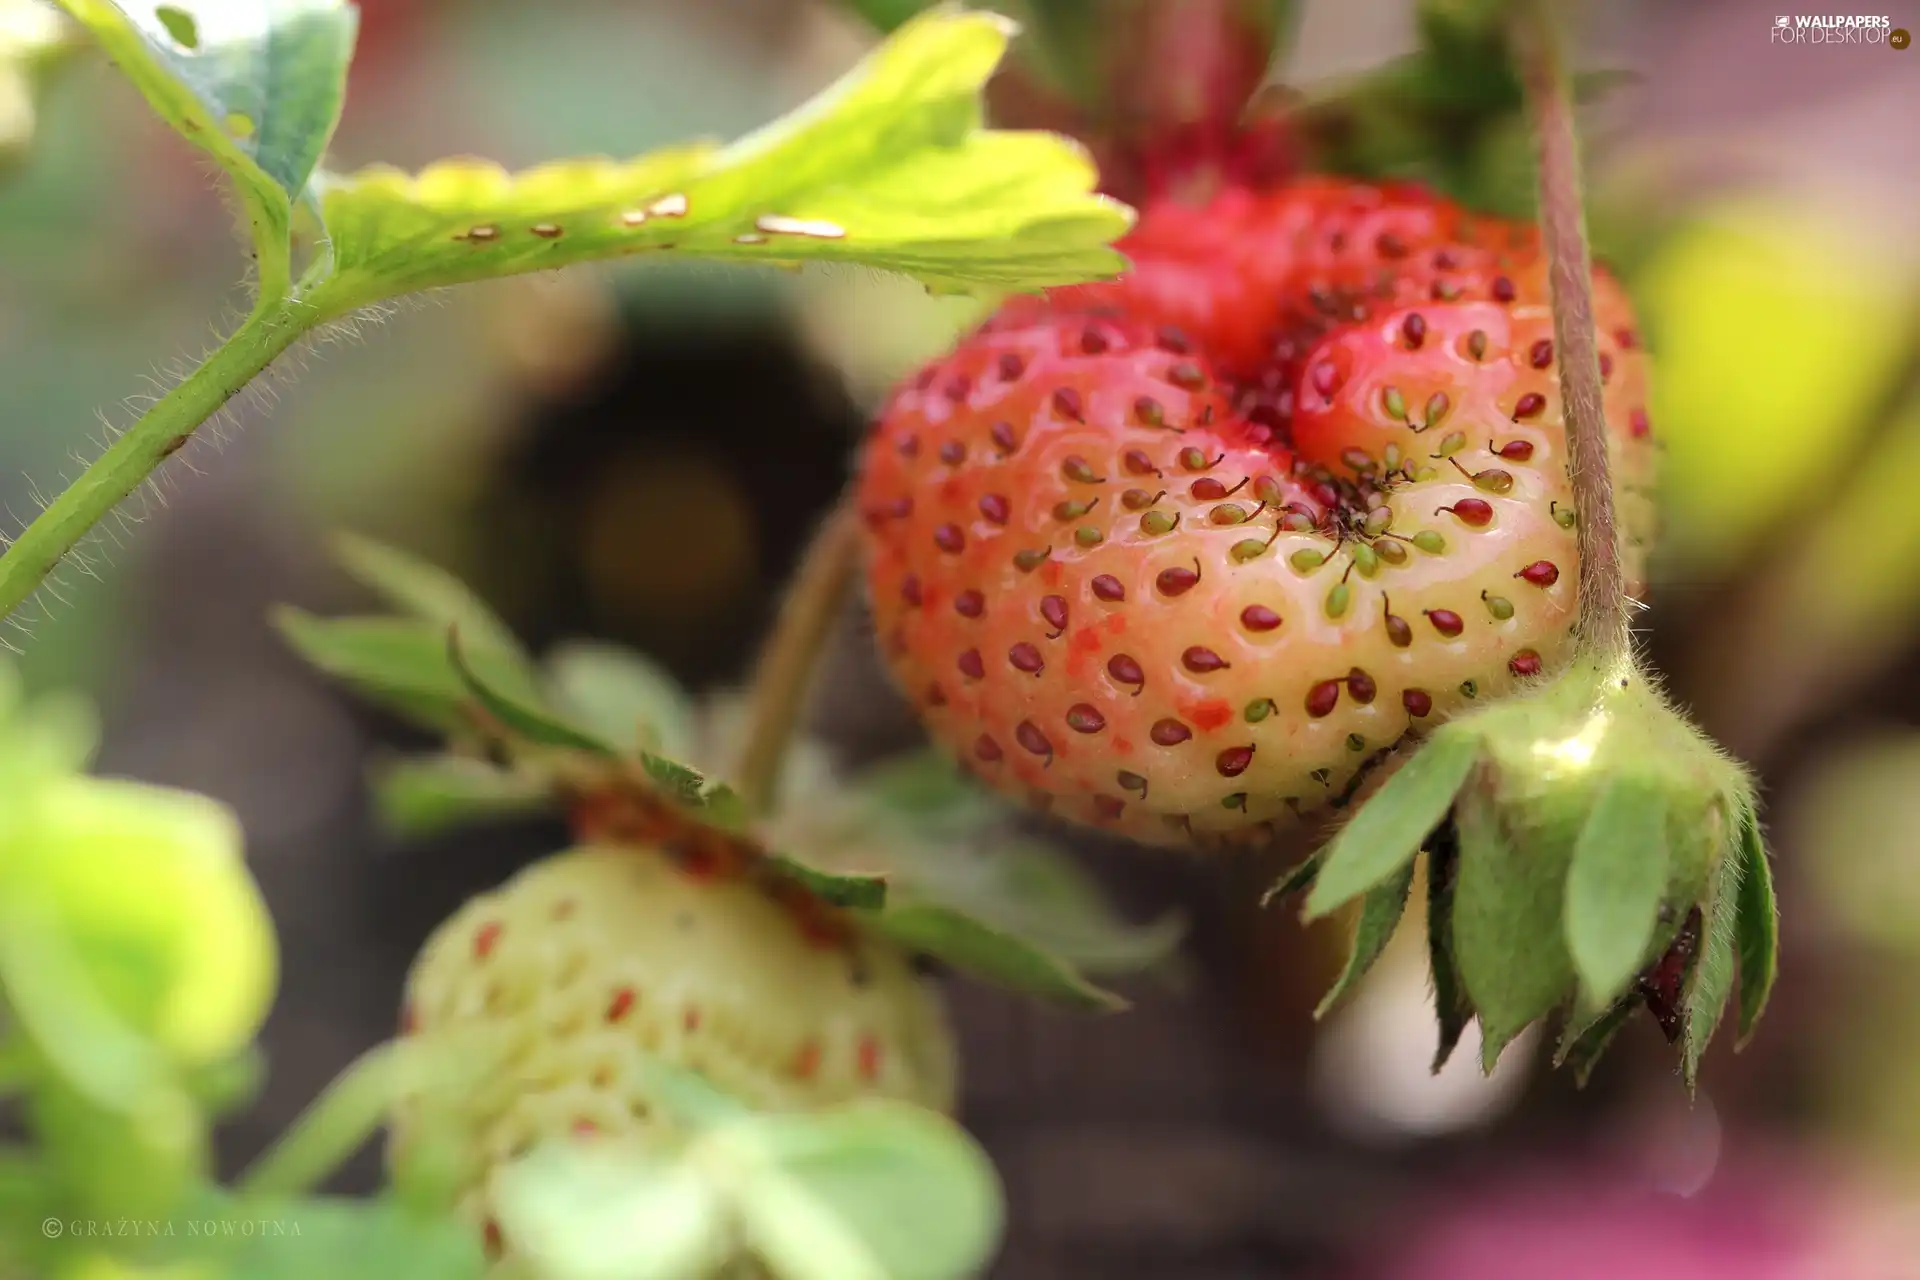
[639,455]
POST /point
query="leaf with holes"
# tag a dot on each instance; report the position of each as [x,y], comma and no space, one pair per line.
[890,167]
[256,84]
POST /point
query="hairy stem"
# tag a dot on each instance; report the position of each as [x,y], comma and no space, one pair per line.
[1604,632]
[161,431]
[793,650]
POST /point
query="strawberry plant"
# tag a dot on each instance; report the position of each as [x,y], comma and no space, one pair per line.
[1314,497]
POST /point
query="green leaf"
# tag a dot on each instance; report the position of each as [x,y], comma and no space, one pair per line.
[1582,1048]
[1758,925]
[1452,1008]
[622,698]
[586,1212]
[324,1239]
[400,663]
[521,712]
[256,84]
[890,167]
[982,951]
[928,790]
[1615,886]
[1380,913]
[1507,936]
[423,796]
[1390,828]
[424,591]
[872,1191]
[1297,878]
[1711,981]
[865,892]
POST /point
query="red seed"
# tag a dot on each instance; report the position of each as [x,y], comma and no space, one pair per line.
[1028,735]
[1066,403]
[949,539]
[1054,610]
[1207,489]
[995,508]
[1107,808]
[1138,463]
[1627,339]
[985,748]
[910,590]
[953,453]
[1326,379]
[1012,365]
[690,1019]
[1177,581]
[969,603]
[1125,670]
[1130,781]
[1446,622]
[1025,657]
[1171,339]
[1540,354]
[620,1005]
[1002,435]
[1472,512]
[1528,405]
[1606,366]
[867,1058]
[1414,330]
[1516,450]
[1082,718]
[1502,289]
[1541,573]
[959,388]
[1417,701]
[1202,660]
[1525,663]
[971,665]
[1323,698]
[1169,733]
[1093,342]
[936,696]
[1639,425]
[1257,617]
[1107,587]
[807,1061]
[1361,686]
[1233,762]
[484,939]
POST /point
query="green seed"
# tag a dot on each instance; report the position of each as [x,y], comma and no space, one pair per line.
[1469,689]
[1395,402]
[1493,481]
[1425,474]
[1365,560]
[1390,551]
[1356,743]
[1306,559]
[1136,499]
[1477,344]
[1430,541]
[1452,443]
[1379,520]
[1565,517]
[1248,549]
[1338,599]
[1155,523]
[1499,606]
[1437,406]
[1065,511]
[1393,459]
[1228,513]
[1259,709]
[1088,536]
[1028,561]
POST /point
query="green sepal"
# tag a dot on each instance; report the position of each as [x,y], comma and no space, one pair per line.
[1507,934]
[399,663]
[1453,1010]
[1711,980]
[423,590]
[257,86]
[1615,885]
[1380,913]
[525,717]
[422,796]
[1581,1047]
[1759,927]
[621,697]
[890,168]
[1298,877]
[1387,833]
[989,954]
[842,890]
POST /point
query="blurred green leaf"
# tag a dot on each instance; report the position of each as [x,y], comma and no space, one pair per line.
[400,663]
[622,697]
[33,36]
[583,1212]
[890,167]
[1758,925]
[522,712]
[873,1191]
[256,84]
[421,796]
[1615,886]
[328,1238]
[1388,831]
[990,954]
[424,591]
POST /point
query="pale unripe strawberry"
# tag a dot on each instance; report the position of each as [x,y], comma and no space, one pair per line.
[596,961]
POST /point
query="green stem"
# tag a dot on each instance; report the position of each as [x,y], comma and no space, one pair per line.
[1605,634]
[335,1125]
[793,651]
[273,327]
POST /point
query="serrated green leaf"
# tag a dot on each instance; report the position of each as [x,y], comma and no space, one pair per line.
[420,797]
[872,1191]
[522,712]
[890,167]
[1582,1048]
[256,84]
[992,955]
[1380,913]
[400,663]
[1387,833]
[1451,1006]
[587,1212]
[1759,927]
[1711,981]
[1507,936]
[423,590]
[1615,886]
[622,698]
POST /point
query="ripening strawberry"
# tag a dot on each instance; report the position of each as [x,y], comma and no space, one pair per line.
[1189,553]
[594,961]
